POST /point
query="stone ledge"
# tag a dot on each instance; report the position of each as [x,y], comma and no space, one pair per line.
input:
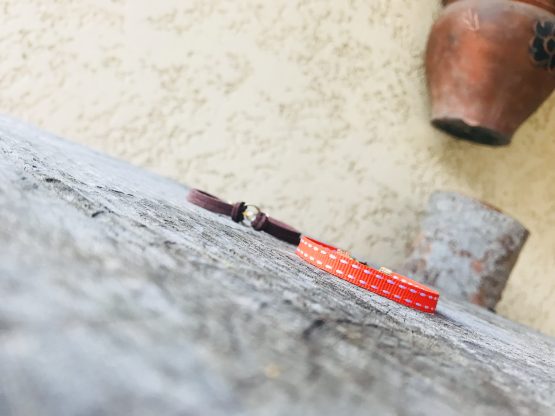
[118,297]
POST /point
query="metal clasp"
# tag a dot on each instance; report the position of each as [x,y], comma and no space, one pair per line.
[345,253]
[250,213]
[386,271]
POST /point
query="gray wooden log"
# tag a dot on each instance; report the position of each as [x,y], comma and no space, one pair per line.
[118,297]
[465,248]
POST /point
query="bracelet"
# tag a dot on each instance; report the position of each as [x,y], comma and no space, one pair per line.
[247,213]
[382,281]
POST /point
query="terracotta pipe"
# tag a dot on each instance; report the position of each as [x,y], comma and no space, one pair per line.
[490,64]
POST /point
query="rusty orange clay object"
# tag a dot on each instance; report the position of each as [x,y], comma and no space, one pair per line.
[490,64]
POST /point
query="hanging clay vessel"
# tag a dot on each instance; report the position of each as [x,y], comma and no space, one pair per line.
[490,64]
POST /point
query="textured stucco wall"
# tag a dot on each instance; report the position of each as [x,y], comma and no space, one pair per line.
[316,109]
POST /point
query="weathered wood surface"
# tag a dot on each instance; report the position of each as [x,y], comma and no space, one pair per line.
[117,297]
[465,248]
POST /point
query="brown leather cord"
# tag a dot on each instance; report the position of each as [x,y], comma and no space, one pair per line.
[276,228]
[236,211]
[209,202]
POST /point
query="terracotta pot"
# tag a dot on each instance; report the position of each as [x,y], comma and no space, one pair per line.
[490,64]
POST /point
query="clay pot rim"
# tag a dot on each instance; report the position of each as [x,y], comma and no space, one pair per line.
[474,133]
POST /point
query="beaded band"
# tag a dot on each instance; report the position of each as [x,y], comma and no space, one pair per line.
[383,282]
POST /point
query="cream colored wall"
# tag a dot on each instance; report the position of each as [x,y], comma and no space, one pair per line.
[317,109]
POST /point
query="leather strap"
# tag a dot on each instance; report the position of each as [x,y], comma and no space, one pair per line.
[382,281]
[260,221]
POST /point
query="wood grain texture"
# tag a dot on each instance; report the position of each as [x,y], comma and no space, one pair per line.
[465,248]
[120,298]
